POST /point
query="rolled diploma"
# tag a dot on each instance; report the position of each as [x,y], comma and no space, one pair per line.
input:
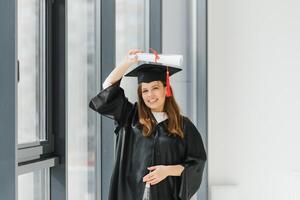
[163,58]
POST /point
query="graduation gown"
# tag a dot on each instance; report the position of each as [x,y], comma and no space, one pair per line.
[135,152]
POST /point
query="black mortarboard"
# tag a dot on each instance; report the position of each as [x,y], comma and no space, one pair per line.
[152,72]
[149,72]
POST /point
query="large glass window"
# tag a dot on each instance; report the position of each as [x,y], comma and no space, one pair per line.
[81,85]
[34,185]
[31,62]
[132,31]
[31,47]
[131,26]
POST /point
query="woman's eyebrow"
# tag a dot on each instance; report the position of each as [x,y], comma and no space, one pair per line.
[155,85]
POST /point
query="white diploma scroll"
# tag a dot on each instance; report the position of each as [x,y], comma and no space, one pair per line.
[172,60]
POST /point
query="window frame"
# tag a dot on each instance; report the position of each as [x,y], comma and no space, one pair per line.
[39,149]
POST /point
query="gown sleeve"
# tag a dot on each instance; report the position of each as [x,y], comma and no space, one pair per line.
[194,163]
[112,103]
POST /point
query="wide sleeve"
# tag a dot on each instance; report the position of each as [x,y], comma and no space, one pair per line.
[194,162]
[111,102]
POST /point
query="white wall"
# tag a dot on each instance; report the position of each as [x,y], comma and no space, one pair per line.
[254,99]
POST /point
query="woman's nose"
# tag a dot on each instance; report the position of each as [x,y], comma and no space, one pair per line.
[149,95]
[152,94]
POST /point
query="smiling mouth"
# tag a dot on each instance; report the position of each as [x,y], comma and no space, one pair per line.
[153,101]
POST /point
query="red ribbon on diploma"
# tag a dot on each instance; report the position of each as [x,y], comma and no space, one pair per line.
[155,54]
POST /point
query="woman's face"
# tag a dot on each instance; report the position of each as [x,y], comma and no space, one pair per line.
[154,95]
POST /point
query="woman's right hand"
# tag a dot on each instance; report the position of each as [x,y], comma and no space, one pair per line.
[133,60]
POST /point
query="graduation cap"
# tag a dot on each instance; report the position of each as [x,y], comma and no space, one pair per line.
[149,72]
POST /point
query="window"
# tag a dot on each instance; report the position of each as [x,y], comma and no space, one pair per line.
[132,31]
[34,185]
[82,122]
[31,64]
[34,142]
[132,26]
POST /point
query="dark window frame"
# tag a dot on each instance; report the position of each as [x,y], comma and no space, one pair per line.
[36,151]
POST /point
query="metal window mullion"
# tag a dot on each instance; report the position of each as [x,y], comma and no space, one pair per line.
[8,99]
[147,25]
[193,61]
[29,153]
[29,144]
[155,25]
[40,164]
[38,70]
[49,136]
[201,19]
[108,37]
[33,151]
[47,184]
[98,42]
[42,74]
[58,80]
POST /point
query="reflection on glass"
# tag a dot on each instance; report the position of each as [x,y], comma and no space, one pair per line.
[34,185]
[81,86]
[132,25]
[31,28]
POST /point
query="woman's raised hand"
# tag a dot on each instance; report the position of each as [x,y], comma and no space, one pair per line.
[133,60]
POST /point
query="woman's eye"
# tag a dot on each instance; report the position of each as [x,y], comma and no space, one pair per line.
[155,88]
[144,91]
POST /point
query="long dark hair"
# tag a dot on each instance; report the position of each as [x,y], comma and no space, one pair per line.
[174,125]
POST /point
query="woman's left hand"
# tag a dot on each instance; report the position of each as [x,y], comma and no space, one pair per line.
[157,174]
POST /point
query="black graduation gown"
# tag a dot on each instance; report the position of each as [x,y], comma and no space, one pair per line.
[134,152]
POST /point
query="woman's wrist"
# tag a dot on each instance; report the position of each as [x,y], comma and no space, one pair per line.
[120,70]
[175,170]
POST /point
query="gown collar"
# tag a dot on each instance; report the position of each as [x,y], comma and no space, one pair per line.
[159,116]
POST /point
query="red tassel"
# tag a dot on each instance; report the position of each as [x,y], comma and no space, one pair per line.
[169,92]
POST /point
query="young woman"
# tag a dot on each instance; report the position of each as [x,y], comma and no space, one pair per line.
[155,145]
